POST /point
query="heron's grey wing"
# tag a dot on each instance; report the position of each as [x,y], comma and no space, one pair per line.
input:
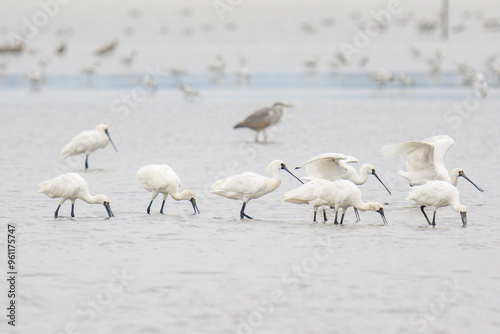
[258,120]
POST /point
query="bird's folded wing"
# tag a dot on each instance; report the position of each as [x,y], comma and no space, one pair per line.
[258,119]
[80,143]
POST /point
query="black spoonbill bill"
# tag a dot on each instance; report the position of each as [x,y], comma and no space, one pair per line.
[248,185]
[72,186]
[163,179]
[87,142]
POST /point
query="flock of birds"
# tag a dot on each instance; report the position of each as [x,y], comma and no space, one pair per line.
[331,180]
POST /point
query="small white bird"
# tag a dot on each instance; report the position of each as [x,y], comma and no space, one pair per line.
[425,160]
[382,77]
[218,65]
[247,186]
[308,193]
[263,118]
[87,142]
[438,194]
[190,93]
[163,179]
[72,186]
[341,194]
[480,86]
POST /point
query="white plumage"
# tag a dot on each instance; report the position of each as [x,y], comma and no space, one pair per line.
[425,160]
[309,194]
[163,179]
[87,142]
[438,194]
[341,194]
[247,186]
[72,186]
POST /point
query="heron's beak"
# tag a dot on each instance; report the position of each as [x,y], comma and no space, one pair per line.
[108,209]
[107,134]
[464,218]
[378,178]
[381,211]
[477,187]
[195,207]
[284,167]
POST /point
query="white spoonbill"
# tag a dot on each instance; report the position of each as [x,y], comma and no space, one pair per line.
[72,186]
[263,118]
[87,142]
[163,179]
[334,166]
[438,194]
[247,186]
[341,194]
[425,160]
[308,194]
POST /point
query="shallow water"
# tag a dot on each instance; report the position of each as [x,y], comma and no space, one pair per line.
[213,273]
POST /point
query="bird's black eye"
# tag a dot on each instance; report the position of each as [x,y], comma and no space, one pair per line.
[373,171]
[283,166]
[461,173]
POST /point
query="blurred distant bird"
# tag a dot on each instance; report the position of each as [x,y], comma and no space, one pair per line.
[129,58]
[308,28]
[467,72]
[480,86]
[218,66]
[61,49]
[190,93]
[405,79]
[106,48]
[163,179]
[382,77]
[72,186]
[416,53]
[90,70]
[263,118]
[312,63]
[438,194]
[35,79]
[425,160]
[87,142]
[247,186]
[149,82]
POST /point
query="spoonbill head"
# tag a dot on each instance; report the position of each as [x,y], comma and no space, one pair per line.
[249,185]
[263,118]
[459,172]
[438,194]
[72,186]
[342,194]
[163,179]
[87,142]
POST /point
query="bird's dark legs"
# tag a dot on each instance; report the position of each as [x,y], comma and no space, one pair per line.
[422,209]
[149,207]
[324,215]
[73,210]
[56,214]
[314,219]
[357,215]
[242,212]
[342,219]
[336,221]
[86,161]
[434,219]
[162,205]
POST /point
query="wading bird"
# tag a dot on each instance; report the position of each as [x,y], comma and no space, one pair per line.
[438,194]
[334,166]
[247,186]
[72,186]
[308,194]
[342,194]
[263,118]
[87,142]
[163,179]
[425,160]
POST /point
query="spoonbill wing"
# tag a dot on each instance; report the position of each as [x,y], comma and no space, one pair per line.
[330,166]
[87,141]
[441,145]
[64,186]
[419,154]
[157,177]
[240,186]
